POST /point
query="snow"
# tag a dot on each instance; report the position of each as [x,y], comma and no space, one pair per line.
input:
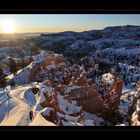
[108,77]
[97,120]
[120,125]
[22,100]
[138,106]
[47,90]
[14,112]
[89,123]
[126,101]
[111,42]
[52,66]
[76,44]
[22,76]
[67,107]
[28,96]
[19,89]
[68,118]
[71,118]
[46,111]
[70,88]
[15,51]
[121,51]
[40,57]
[40,121]
[124,107]
[38,107]
[137,94]
[42,98]
[73,121]
[70,123]
[24,93]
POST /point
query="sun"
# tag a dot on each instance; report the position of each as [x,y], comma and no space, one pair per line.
[8,26]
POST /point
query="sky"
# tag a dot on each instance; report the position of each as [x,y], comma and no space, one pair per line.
[27,23]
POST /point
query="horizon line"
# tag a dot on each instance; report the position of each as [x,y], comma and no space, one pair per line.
[39,32]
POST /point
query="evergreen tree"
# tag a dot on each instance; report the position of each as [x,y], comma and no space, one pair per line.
[12,66]
[2,78]
[31,59]
[22,64]
[1,71]
[2,82]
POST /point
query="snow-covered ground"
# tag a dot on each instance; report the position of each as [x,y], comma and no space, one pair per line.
[40,121]
[15,109]
[99,121]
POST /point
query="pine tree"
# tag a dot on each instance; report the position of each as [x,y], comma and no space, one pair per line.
[22,64]
[1,71]
[31,59]
[2,78]
[12,66]
[3,82]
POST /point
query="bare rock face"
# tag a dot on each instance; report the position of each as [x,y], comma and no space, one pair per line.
[49,97]
[61,88]
[135,118]
[53,58]
[59,59]
[34,71]
[137,85]
[49,59]
[90,100]
[104,101]
[112,98]
[50,101]
[81,81]
[87,97]
[49,114]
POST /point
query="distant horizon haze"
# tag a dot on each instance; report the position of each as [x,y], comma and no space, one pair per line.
[53,32]
[54,23]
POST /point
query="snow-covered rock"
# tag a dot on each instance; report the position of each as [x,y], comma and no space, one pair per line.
[108,78]
[28,96]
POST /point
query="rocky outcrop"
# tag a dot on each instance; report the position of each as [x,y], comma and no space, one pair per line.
[135,109]
[49,114]
[135,118]
[62,84]
[54,59]
[137,85]
[50,100]
[112,99]
[93,101]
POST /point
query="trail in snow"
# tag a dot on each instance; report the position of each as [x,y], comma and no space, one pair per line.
[16,112]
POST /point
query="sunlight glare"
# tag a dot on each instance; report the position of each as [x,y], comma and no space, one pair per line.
[8,26]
